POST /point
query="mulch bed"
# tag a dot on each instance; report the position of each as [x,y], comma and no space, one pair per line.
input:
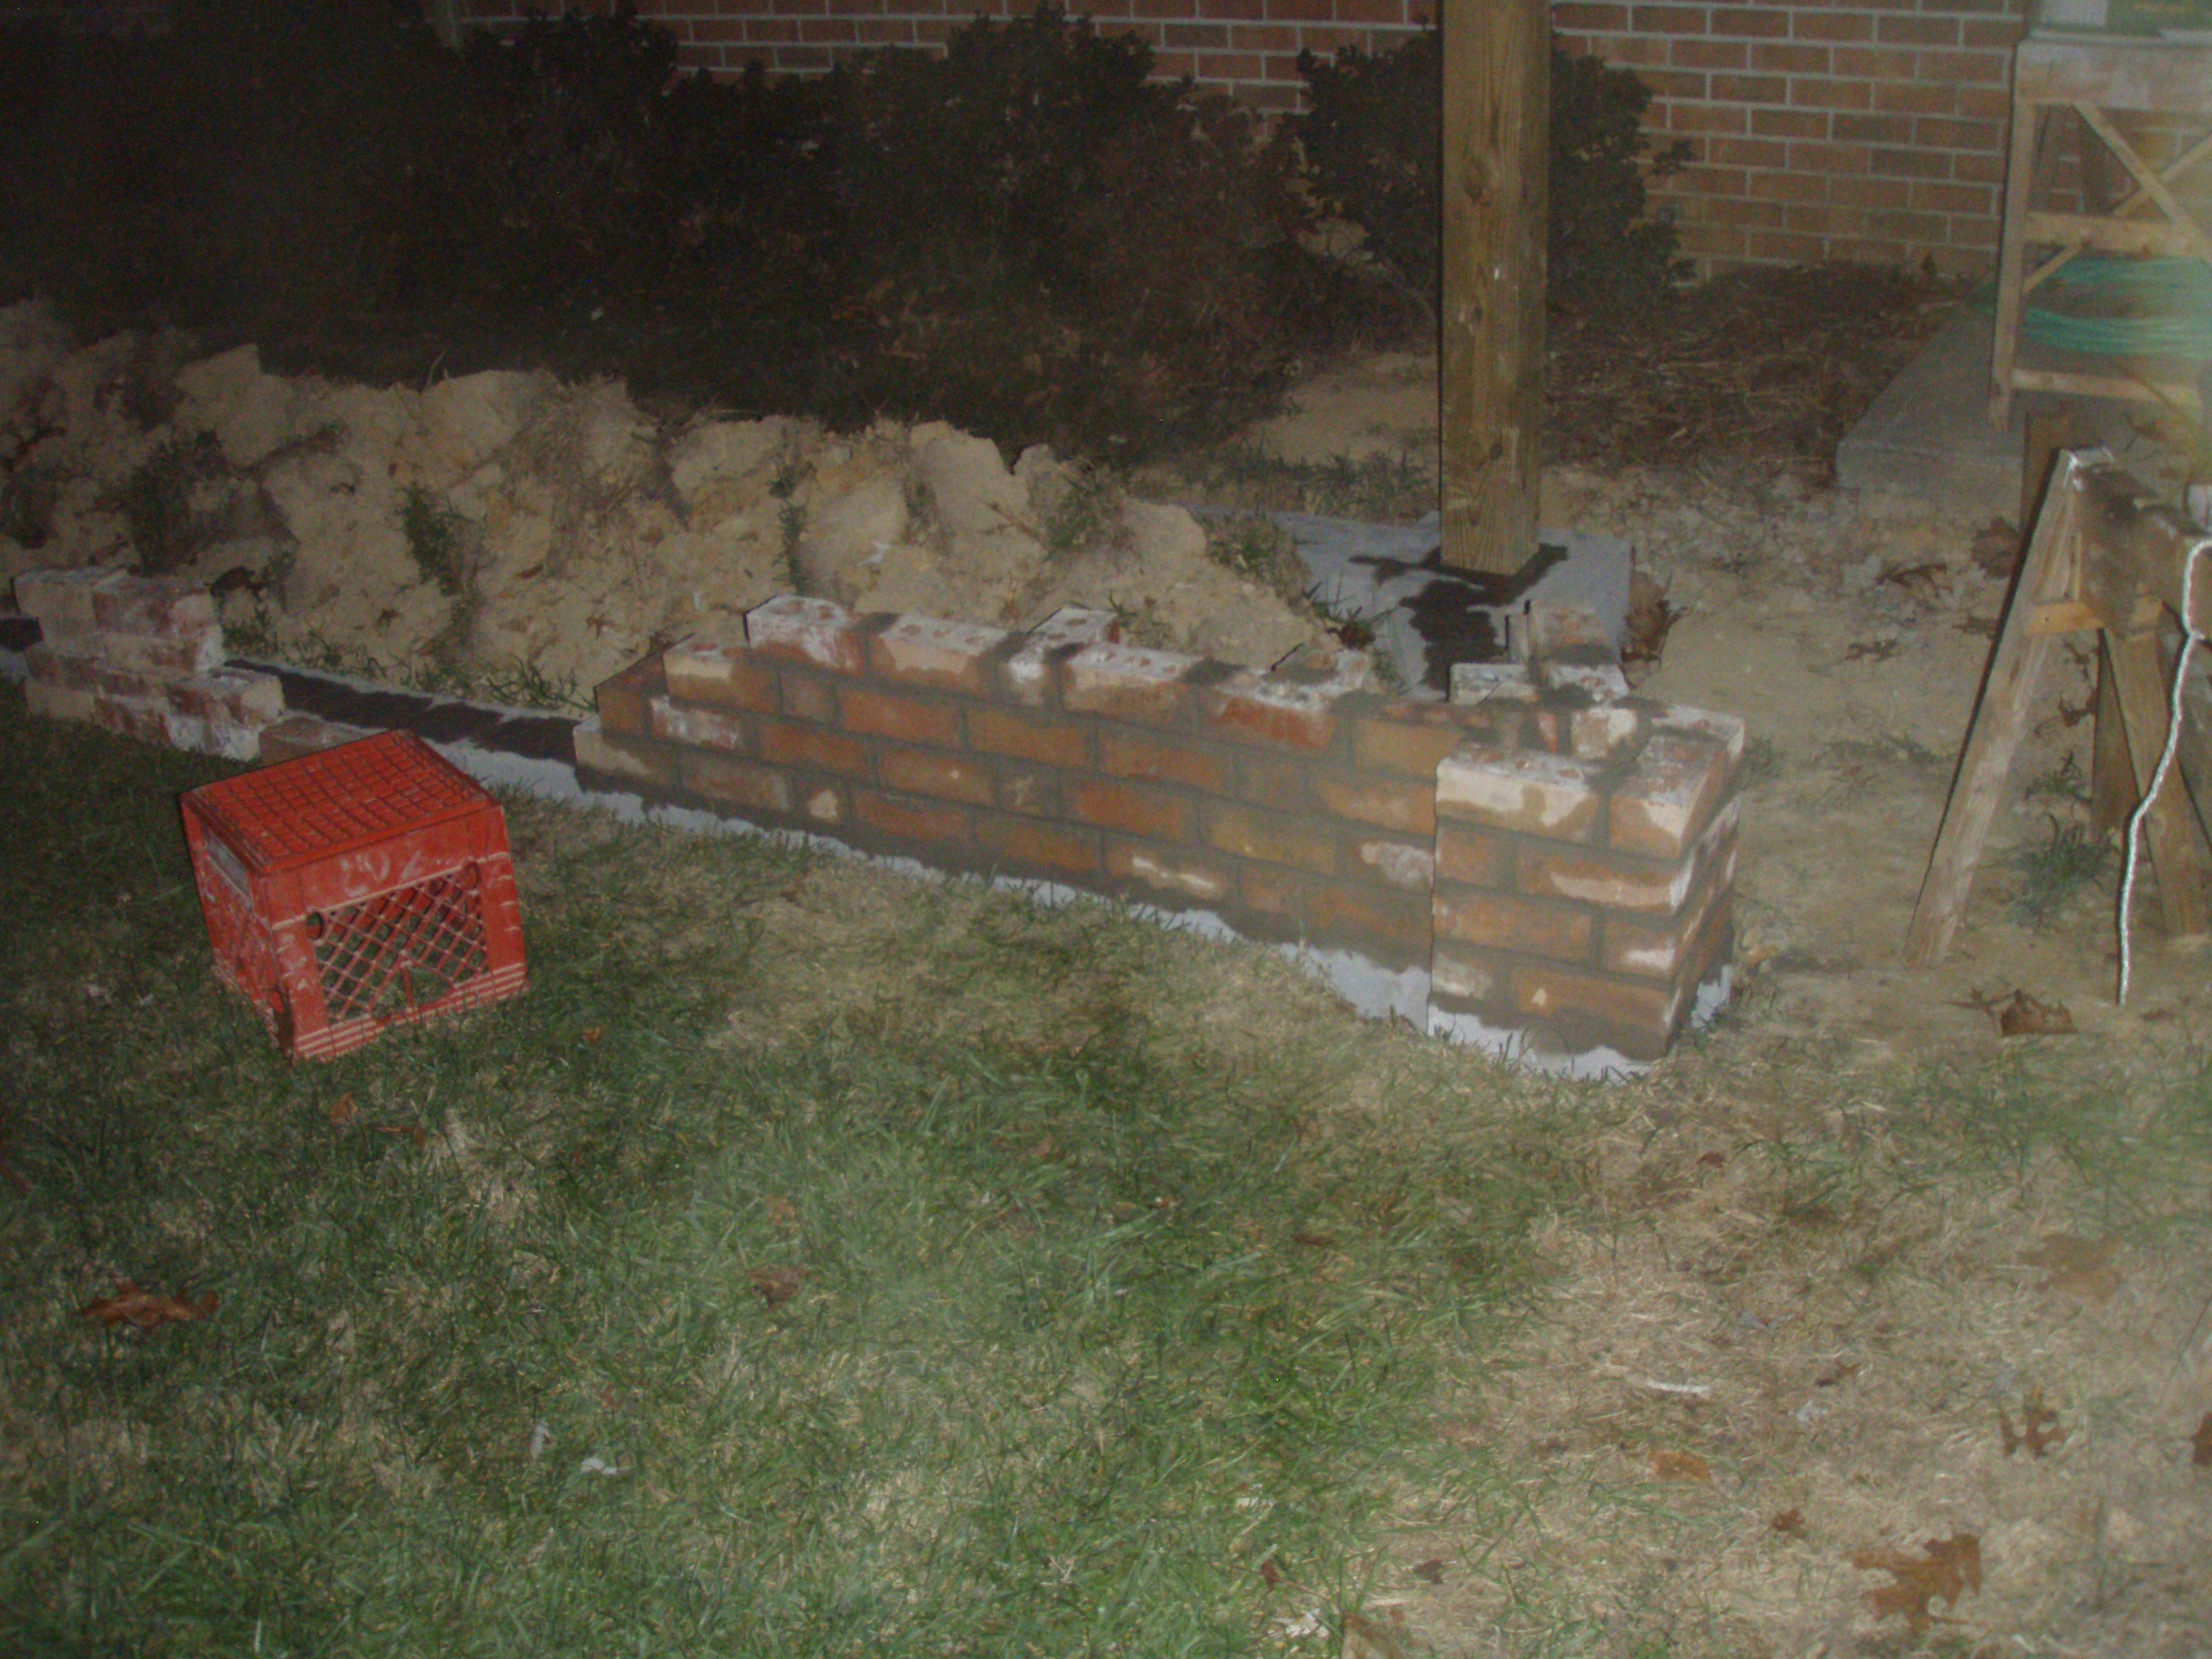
[1771,365]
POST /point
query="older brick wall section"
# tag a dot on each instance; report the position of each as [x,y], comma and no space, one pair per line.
[1539,864]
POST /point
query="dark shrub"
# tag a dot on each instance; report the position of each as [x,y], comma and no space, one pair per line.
[1374,140]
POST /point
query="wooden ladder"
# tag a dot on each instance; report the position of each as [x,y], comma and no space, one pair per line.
[2101,558]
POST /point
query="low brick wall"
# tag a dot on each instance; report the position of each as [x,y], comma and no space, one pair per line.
[1548,868]
[141,656]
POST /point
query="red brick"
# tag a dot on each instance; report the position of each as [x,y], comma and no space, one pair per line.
[809,630]
[621,756]
[790,744]
[1408,866]
[1266,708]
[1410,738]
[229,696]
[1274,781]
[170,606]
[1814,23]
[902,719]
[1178,874]
[1128,683]
[1584,1010]
[1607,881]
[1270,837]
[1471,978]
[1502,922]
[620,699]
[700,728]
[915,822]
[1751,22]
[1668,19]
[727,676]
[1039,846]
[1031,793]
[1268,890]
[1668,799]
[1126,754]
[741,783]
[1701,53]
[928,651]
[1473,856]
[1131,809]
[1552,796]
[1050,742]
[1657,950]
[1392,926]
[1386,803]
[809,697]
[946,777]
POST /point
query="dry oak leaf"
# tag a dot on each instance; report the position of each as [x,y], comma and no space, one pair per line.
[2042,1431]
[1946,1567]
[1789,1521]
[1670,1465]
[777,1285]
[2082,1266]
[146,1311]
[2201,1444]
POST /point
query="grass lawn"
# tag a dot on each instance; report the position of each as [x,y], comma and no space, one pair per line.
[814,1262]
[573,1327]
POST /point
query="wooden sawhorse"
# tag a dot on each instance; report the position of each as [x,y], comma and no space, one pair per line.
[2105,558]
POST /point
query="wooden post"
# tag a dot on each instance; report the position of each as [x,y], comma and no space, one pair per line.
[1497,93]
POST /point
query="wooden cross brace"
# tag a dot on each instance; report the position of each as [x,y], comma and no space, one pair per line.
[2103,557]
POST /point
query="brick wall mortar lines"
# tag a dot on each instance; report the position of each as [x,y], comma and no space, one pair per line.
[1327,823]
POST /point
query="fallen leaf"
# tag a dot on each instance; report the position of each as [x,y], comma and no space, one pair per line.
[1842,1372]
[1270,1574]
[1945,1568]
[1670,1465]
[2082,1267]
[1996,547]
[1789,1521]
[1314,1241]
[2201,1444]
[777,1285]
[1431,1570]
[2042,1431]
[1924,581]
[146,1309]
[1651,618]
[2020,1014]
[1871,651]
[1712,1160]
[344,1111]
[783,1213]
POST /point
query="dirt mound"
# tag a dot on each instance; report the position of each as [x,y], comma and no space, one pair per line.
[512,531]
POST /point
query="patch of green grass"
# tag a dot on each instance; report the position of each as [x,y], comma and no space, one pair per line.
[2054,873]
[437,540]
[560,1328]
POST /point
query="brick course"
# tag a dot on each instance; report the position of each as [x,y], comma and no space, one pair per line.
[141,656]
[1541,861]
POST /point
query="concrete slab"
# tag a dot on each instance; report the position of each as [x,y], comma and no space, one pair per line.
[1929,434]
[1427,615]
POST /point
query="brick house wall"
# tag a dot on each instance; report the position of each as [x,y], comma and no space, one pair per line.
[1864,129]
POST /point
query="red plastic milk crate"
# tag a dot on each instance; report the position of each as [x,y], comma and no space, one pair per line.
[367,886]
